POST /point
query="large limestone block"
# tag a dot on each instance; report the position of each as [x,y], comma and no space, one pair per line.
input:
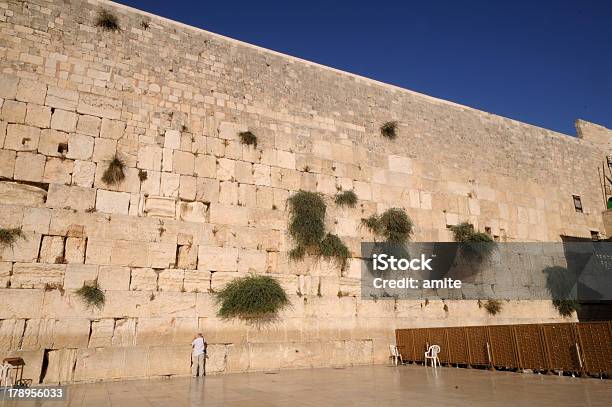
[101,333]
[79,274]
[150,158]
[83,173]
[39,116]
[75,250]
[11,332]
[252,261]
[61,98]
[53,143]
[58,171]
[80,147]
[166,331]
[170,184]
[183,162]
[13,111]
[171,280]
[172,304]
[125,332]
[22,138]
[205,166]
[52,249]
[31,91]
[130,253]
[214,258]
[100,363]
[197,281]
[36,220]
[70,197]
[143,279]
[7,161]
[8,86]
[112,202]
[187,187]
[164,360]
[228,215]
[162,255]
[29,167]
[172,139]
[71,332]
[12,304]
[37,275]
[89,125]
[25,249]
[187,257]
[112,129]
[97,105]
[5,273]
[60,366]
[237,358]
[64,120]
[13,193]
[161,207]
[192,212]
[114,278]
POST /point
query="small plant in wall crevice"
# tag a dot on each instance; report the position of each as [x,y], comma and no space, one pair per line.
[492,306]
[8,237]
[566,307]
[252,296]
[248,138]
[346,198]
[92,295]
[107,21]
[115,172]
[389,130]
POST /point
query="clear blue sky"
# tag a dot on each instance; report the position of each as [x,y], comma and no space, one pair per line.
[544,62]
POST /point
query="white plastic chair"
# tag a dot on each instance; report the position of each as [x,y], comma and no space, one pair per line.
[432,353]
[395,355]
[5,375]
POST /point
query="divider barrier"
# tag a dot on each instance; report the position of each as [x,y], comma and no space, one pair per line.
[584,347]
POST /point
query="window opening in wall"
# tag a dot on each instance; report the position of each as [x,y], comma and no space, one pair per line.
[577,203]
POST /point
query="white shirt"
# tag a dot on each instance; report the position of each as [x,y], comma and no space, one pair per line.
[198,346]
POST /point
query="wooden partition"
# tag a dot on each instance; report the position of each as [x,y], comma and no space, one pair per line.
[575,347]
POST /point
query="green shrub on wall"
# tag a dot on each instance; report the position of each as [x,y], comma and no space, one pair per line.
[493,307]
[248,138]
[393,225]
[346,198]
[253,296]
[92,295]
[8,237]
[307,228]
[474,244]
[107,21]
[115,172]
[566,307]
[389,130]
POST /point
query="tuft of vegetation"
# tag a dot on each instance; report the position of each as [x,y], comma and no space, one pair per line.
[114,174]
[307,228]
[474,244]
[307,218]
[346,198]
[492,306]
[393,225]
[8,237]
[144,24]
[92,295]
[252,296]
[389,130]
[332,247]
[107,21]
[248,138]
[566,307]
[143,175]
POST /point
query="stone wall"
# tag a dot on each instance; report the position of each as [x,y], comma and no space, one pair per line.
[169,100]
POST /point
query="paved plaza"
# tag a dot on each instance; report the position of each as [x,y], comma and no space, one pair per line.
[354,386]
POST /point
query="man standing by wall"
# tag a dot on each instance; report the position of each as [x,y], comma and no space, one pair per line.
[198,356]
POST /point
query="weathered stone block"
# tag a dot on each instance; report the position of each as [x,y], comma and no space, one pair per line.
[160,207]
[114,278]
[162,255]
[53,143]
[75,250]
[29,167]
[5,273]
[7,163]
[217,259]
[61,98]
[112,202]
[83,173]
[228,215]
[172,139]
[170,184]
[187,187]
[58,170]
[104,150]
[88,125]
[143,279]
[183,162]
[205,166]
[112,129]
[21,138]
[97,105]
[80,147]
[207,190]
[150,158]
[37,275]
[13,111]
[31,91]
[197,281]
[64,120]
[187,257]
[52,249]
[8,86]
[70,197]
[79,274]
[39,116]
[192,212]
[25,249]
[171,280]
